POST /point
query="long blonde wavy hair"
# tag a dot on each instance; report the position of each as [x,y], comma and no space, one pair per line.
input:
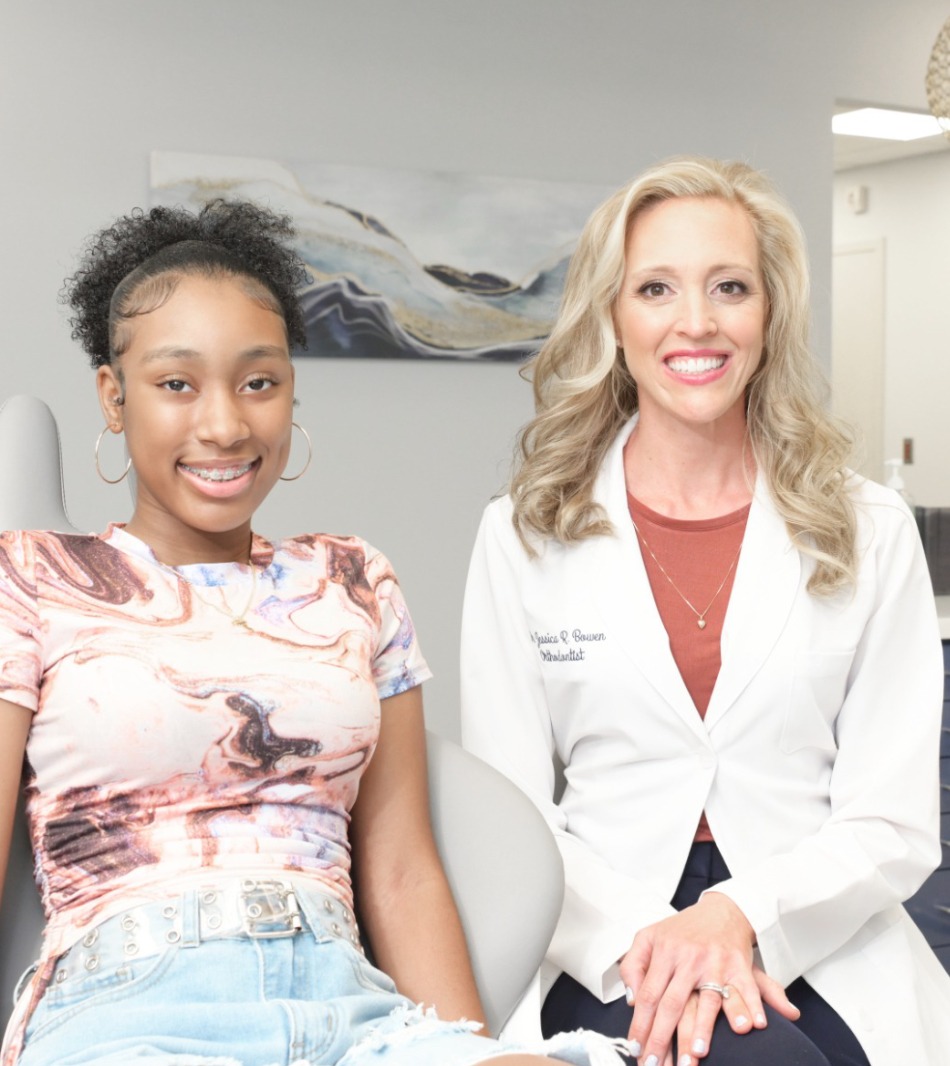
[584,393]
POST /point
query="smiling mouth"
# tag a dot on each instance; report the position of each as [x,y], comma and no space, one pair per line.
[219,473]
[684,364]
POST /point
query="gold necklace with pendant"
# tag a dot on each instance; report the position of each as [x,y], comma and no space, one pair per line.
[700,615]
[236,619]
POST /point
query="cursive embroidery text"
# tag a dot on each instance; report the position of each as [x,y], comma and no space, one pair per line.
[565,645]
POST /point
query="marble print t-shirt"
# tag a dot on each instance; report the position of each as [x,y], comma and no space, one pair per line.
[186,718]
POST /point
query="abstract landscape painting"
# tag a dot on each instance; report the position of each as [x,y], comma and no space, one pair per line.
[407,264]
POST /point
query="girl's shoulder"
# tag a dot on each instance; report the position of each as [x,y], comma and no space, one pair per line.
[310,547]
[20,548]
[343,557]
[41,536]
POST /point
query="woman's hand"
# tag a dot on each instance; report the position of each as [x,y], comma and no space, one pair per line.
[709,943]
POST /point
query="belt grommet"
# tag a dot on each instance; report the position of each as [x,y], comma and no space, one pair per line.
[214,921]
[328,906]
[90,938]
[128,922]
[209,897]
[92,963]
[254,910]
[172,936]
[169,910]
[131,948]
[60,976]
[337,931]
[347,917]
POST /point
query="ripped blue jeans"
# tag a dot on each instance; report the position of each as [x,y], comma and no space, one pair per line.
[309,999]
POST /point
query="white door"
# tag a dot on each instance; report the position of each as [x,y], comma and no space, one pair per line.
[857,349]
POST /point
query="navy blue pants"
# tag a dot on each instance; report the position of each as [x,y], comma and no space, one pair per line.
[819,1037]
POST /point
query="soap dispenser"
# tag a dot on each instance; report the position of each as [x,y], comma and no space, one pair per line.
[895,481]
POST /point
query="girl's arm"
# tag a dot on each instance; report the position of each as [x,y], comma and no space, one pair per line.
[404,901]
[14,727]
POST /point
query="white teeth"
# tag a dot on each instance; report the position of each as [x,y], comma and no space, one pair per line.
[228,473]
[684,364]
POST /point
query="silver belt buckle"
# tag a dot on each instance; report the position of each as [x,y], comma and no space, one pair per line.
[269,909]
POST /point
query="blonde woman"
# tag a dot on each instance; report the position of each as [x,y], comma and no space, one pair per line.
[730,643]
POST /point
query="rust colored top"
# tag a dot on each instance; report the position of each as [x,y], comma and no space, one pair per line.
[697,556]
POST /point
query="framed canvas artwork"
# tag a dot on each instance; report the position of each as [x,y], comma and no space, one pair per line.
[407,264]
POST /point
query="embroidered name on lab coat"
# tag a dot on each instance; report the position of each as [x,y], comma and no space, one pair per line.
[566,645]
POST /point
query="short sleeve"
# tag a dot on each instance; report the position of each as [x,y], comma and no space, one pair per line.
[21,659]
[398,664]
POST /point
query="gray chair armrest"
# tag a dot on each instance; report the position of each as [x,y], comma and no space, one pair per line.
[504,868]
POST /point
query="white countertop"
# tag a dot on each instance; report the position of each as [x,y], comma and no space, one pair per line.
[943,614]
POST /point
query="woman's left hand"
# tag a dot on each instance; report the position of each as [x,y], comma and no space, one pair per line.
[708,943]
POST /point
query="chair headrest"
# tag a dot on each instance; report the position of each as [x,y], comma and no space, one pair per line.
[31,469]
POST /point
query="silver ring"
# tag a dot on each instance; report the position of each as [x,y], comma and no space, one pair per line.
[710,986]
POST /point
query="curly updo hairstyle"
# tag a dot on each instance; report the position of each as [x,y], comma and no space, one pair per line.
[134,265]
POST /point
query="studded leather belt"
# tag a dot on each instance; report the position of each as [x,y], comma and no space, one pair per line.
[261,909]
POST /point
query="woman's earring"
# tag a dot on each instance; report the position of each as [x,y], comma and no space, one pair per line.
[306,465]
[109,480]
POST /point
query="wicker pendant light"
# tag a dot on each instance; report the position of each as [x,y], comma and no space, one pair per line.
[938,80]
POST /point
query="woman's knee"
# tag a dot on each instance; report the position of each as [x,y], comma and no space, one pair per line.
[781,1041]
[521,1060]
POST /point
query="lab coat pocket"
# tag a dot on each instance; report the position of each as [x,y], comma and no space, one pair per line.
[815,696]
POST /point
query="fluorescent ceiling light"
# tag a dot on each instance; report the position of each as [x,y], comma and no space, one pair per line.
[885,125]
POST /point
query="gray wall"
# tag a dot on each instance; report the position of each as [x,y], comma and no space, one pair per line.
[406,455]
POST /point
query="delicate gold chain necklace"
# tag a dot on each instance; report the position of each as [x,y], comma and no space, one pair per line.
[236,619]
[700,615]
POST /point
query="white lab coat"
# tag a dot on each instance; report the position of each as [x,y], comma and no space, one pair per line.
[816,764]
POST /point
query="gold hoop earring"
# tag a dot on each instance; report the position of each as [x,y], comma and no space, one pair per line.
[306,465]
[109,480]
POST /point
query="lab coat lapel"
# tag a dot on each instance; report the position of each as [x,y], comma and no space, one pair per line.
[628,597]
[763,594]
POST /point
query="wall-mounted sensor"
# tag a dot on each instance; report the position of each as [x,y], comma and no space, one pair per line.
[857,199]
